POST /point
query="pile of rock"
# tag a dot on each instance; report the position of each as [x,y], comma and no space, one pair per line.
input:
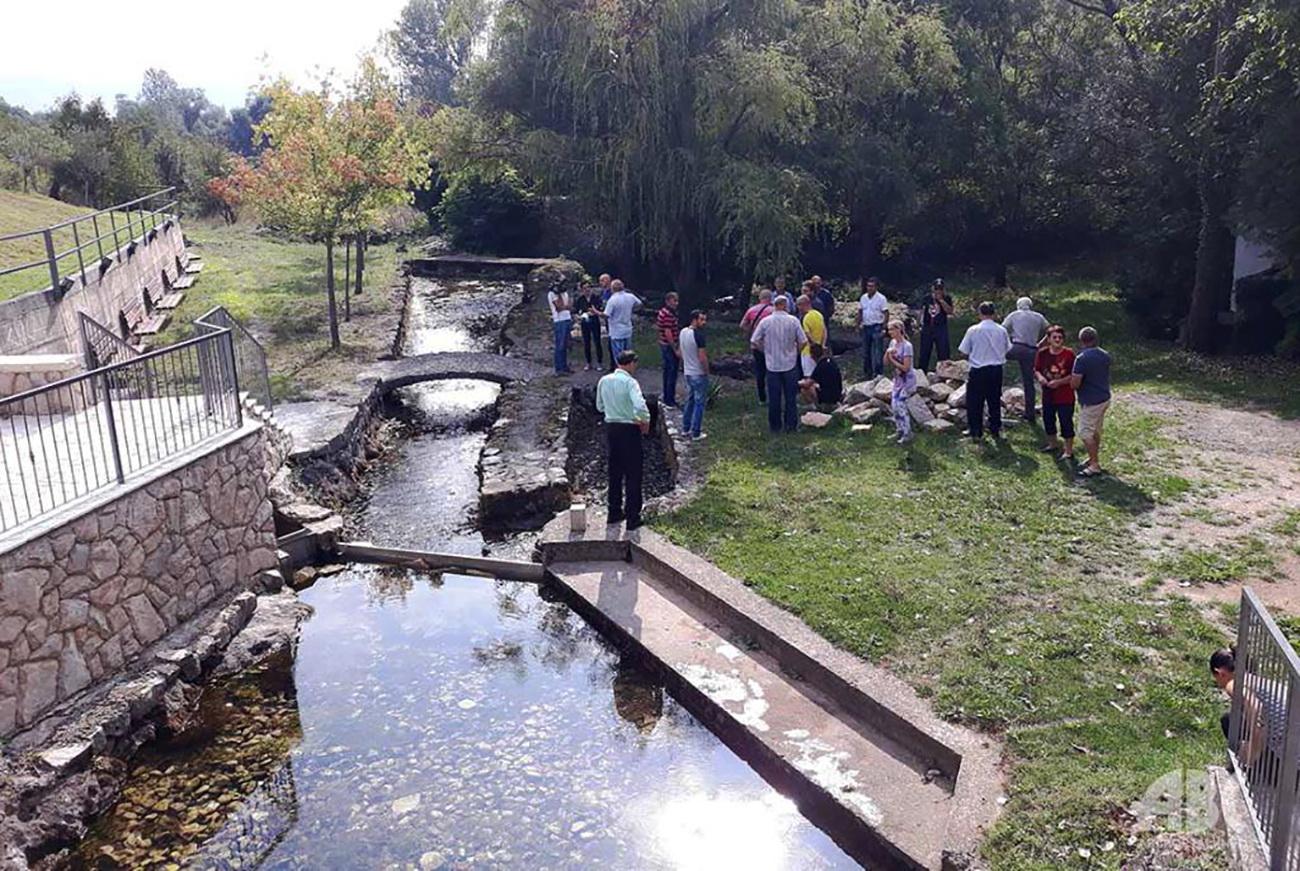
[938,404]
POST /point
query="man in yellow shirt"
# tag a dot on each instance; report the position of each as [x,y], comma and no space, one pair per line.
[814,325]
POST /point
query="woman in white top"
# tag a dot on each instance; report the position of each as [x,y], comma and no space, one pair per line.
[899,356]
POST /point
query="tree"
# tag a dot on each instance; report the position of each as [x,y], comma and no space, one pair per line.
[332,163]
[432,43]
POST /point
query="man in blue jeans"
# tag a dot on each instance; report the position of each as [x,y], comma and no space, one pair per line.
[561,322]
[618,314]
[667,326]
[695,365]
[873,311]
[781,338]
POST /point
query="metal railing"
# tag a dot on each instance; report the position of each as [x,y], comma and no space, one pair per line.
[95,238]
[102,346]
[250,355]
[70,438]
[1264,731]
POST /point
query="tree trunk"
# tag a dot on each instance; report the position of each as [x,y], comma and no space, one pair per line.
[329,292]
[361,262]
[1215,243]
[347,280]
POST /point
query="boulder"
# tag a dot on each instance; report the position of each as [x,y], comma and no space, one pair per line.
[815,419]
[953,370]
[861,427]
[954,414]
[1013,398]
[938,391]
[922,381]
[863,412]
[918,409]
[940,409]
[883,389]
[957,399]
[859,392]
[937,425]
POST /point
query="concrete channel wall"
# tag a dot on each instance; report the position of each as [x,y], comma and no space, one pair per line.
[45,321]
[83,598]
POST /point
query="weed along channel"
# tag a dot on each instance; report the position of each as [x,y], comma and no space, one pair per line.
[429,720]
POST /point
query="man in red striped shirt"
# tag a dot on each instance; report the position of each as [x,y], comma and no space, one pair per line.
[668,327]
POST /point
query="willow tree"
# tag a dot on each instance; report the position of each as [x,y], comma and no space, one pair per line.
[332,163]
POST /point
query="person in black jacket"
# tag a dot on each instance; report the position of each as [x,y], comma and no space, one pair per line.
[935,311]
[587,307]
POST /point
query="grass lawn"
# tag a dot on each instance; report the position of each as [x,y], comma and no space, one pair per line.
[1001,587]
[19,213]
[277,289]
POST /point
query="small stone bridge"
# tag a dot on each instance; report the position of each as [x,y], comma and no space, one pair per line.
[392,374]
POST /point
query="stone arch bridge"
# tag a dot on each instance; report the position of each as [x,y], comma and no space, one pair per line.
[403,372]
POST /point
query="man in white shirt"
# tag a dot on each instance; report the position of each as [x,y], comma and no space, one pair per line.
[781,339]
[618,313]
[1027,329]
[873,311]
[695,366]
[985,344]
[561,323]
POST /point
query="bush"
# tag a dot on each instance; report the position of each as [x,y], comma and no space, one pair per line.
[490,214]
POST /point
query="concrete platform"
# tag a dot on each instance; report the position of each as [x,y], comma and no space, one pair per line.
[315,426]
[863,756]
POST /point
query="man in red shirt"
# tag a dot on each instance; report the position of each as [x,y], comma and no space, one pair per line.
[668,327]
[753,317]
[1053,366]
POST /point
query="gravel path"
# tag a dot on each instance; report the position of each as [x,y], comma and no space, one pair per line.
[1245,470]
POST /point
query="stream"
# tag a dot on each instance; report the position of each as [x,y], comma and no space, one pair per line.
[446,722]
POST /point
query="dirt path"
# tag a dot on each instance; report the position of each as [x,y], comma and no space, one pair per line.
[1245,470]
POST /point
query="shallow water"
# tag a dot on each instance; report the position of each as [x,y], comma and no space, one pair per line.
[463,314]
[446,722]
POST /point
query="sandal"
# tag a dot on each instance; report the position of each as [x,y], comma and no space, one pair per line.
[1089,472]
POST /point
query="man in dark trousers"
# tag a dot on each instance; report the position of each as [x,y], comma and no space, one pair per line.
[986,344]
[627,418]
[935,311]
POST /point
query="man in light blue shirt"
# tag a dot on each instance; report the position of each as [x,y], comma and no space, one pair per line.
[627,418]
[618,313]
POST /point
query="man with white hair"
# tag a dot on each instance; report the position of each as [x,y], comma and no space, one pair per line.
[754,315]
[1027,329]
[1091,382]
[781,339]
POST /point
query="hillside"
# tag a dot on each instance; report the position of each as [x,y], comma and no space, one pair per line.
[20,212]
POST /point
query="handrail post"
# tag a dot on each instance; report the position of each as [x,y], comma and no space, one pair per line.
[112,428]
[234,377]
[1284,812]
[54,263]
[76,240]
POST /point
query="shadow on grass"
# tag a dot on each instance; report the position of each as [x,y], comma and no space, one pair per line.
[1118,493]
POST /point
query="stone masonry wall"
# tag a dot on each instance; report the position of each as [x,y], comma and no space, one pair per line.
[85,599]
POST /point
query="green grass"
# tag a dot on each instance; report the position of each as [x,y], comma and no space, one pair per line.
[19,213]
[996,584]
[276,288]
[1248,557]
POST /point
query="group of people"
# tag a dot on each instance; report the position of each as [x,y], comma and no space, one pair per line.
[789,338]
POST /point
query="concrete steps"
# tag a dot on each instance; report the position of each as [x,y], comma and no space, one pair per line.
[862,756]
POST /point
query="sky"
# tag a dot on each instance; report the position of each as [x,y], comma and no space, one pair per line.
[102,49]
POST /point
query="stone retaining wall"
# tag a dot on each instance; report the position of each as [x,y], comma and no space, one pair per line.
[80,602]
[45,322]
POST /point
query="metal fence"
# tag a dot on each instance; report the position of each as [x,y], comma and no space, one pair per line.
[101,346]
[70,438]
[90,242]
[1264,731]
[250,356]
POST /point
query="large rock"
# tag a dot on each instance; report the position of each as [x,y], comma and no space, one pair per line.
[939,391]
[863,412]
[937,425]
[815,419]
[919,411]
[882,390]
[1013,398]
[957,399]
[859,392]
[554,274]
[922,381]
[953,370]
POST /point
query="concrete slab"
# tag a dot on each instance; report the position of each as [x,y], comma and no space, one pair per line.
[879,703]
[314,426]
[881,802]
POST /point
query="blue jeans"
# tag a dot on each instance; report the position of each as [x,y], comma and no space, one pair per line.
[562,345]
[697,393]
[783,400]
[671,365]
[618,346]
[873,350]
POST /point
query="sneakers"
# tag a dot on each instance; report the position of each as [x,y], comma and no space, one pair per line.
[586,368]
[699,437]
